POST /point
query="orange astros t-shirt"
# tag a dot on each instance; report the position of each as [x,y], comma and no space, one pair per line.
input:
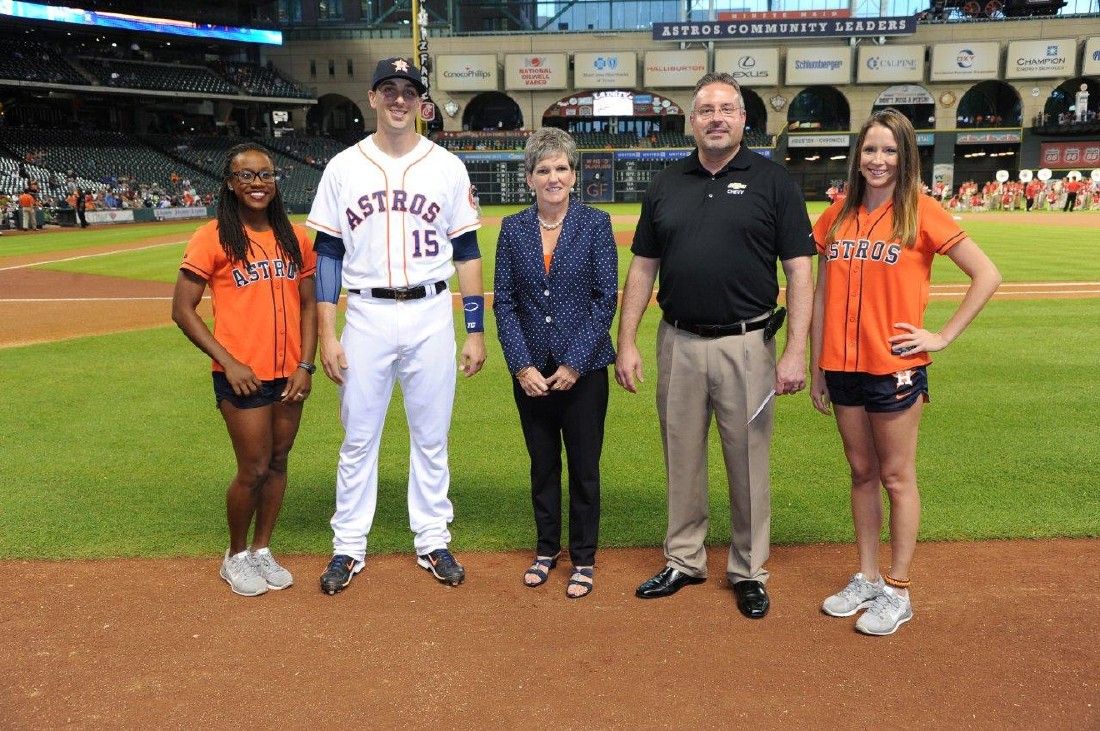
[257,310]
[871,282]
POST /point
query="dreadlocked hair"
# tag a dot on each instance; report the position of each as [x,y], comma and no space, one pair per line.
[231,232]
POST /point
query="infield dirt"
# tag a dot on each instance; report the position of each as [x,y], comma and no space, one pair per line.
[1003,637]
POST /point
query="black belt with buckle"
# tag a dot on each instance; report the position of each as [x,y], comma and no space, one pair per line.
[718,331]
[403,293]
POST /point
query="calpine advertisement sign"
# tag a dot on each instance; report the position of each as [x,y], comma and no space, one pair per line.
[965,61]
[674,69]
[467,73]
[605,70]
[889,64]
[537,71]
[1041,59]
[750,66]
[1090,63]
[819,65]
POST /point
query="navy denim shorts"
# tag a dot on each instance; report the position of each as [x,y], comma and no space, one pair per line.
[878,394]
[269,393]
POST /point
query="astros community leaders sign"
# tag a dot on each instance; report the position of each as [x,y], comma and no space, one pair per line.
[795,28]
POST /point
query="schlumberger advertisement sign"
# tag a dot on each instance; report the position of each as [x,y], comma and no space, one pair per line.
[799,28]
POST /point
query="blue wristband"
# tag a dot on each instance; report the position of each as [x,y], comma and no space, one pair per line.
[473,309]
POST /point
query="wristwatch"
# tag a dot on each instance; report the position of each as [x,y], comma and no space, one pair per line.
[308,367]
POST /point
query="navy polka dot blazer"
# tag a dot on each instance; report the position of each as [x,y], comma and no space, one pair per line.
[566,314]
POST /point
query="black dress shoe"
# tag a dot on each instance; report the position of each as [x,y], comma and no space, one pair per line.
[752,599]
[666,583]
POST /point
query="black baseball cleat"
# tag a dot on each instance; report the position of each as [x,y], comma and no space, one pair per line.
[339,572]
[443,566]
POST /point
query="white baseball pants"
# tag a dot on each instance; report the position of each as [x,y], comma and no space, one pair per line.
[413,342]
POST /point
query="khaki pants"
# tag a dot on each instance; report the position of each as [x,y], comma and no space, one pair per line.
[728,378]
[29,219]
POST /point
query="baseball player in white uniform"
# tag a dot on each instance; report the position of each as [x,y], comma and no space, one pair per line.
[396,217]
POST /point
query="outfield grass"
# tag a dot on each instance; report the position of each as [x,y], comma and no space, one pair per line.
[1025,252]
[69,239]
[112,447]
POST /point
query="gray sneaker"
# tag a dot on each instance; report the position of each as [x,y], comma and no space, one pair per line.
[857,595]
[242,575]
[887,612]
[267,567]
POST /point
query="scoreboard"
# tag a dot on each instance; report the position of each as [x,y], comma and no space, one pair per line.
[604,176]
[498,177]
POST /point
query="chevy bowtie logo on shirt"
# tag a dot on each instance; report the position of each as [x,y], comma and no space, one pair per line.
[736,189]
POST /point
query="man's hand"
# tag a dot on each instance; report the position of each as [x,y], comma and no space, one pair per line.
[628,365]
[473,354]
[790,372]
[333,359]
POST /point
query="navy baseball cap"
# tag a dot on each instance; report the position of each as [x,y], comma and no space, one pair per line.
[398,68]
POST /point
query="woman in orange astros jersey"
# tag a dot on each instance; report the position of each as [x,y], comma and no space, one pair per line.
[259,268]
[870,348]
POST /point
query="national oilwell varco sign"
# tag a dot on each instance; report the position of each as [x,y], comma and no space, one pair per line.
[794,28]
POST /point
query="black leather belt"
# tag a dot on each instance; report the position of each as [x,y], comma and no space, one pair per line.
[403,293]
[717,331]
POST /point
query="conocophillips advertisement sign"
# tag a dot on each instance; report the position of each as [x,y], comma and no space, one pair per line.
[467,73]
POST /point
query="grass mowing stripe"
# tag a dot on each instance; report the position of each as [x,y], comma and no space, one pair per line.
[131,458]
[1022,251]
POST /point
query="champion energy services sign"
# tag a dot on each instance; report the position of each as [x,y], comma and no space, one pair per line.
[750,66]
[1041,59]
[536,72]
[467,73]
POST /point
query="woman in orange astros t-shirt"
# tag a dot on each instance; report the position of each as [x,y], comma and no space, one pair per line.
[870,350]
[259,268]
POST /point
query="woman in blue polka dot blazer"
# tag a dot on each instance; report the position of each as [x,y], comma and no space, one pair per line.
[555,296]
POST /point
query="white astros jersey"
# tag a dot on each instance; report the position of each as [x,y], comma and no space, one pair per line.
[396,216]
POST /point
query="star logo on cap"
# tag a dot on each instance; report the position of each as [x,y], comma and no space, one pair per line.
[401,65]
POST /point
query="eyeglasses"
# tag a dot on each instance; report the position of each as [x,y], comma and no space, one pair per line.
[726,110]
[247,176]
[392,92]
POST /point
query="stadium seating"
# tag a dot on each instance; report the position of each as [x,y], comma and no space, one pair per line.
[259,80]
[315,151]
[157,76]
[297,180]
[27,60]
[101,156]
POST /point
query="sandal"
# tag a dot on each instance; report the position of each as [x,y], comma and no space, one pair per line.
[586,572]
[540,568]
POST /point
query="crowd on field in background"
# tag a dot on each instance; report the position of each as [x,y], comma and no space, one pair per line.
[122,192]
[1054,195]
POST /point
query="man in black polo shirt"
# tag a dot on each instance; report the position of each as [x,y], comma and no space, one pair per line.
[713,225]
